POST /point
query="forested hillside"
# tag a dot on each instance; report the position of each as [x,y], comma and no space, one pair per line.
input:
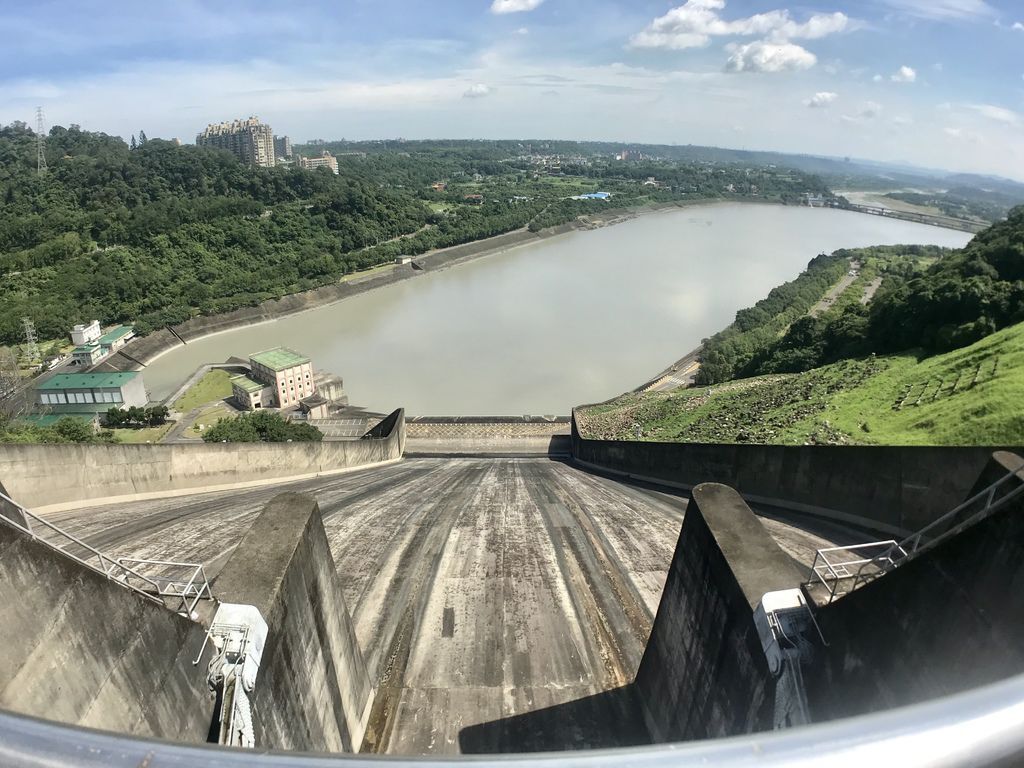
[928,300]
[155,234]
[148,234]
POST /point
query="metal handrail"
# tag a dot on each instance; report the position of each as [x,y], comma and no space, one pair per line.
[911,545]
[173,587]
[991,503]
[838,571]
[117,570]
[105,569]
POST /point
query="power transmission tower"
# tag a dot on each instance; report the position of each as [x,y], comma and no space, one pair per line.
[31,342]
[12,401]
[40,143]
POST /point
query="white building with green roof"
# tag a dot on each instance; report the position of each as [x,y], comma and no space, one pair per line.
[279,378]
[89,393]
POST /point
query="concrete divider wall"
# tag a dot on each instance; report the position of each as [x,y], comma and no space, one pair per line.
[78,648]
[890,490]
[946,621]
[704,673]
[42,476]
[312,692]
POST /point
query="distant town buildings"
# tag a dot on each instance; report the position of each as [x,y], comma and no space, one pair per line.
[326,160]
[89,394]
[282,147]
[92,346]
[251,141]
[279,378]
[593,196]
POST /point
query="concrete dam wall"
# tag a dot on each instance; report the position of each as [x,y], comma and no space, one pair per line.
[949,619]
[54,476]
[888,490]
[80,649]
[704,672]
[313,692]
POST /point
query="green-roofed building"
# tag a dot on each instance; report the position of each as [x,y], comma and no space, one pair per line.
[115,338]
[89,393]
[284,378]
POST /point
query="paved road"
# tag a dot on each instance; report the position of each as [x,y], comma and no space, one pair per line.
[479,588]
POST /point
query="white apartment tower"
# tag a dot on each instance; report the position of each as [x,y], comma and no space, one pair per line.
[251,141]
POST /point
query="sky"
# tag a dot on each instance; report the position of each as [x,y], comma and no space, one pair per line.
[934,83]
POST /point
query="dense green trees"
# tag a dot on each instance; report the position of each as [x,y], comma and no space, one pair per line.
[158,233]
[963,296]
[730,351]
[66,430]
[152,416]
[261,426]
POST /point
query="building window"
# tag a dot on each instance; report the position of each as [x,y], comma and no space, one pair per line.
[117,397]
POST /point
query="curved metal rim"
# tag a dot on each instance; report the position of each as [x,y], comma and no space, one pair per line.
[978,727]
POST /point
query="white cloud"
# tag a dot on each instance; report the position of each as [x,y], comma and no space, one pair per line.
[999,114]
[943,9]
[523,31]
[904,74]
[476,91]
[878,78]
[821,99]
[761,56]
[514,6]
[1018,26]
[693,24]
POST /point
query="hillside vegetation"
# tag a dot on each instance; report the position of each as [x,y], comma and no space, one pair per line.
[971,396]
[922,362]
[156,234]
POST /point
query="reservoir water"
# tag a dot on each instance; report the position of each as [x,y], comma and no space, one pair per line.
[575,319]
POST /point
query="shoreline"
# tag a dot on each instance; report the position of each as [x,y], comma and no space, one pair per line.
[142,352]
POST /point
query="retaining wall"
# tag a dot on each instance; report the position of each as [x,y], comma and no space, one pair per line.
[950,619]
[63,476]
[78,648]
[888,490]
[704,673]
[312,692]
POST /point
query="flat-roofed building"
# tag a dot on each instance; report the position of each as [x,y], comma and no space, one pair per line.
[250,141]
[283,147]
[279,378]
[89,393]
[86,355]
[115,338]
[326,160]
[252,394]
[82,334]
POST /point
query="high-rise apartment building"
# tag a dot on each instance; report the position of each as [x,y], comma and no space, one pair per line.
[250,141]
[326,160]
[283,147]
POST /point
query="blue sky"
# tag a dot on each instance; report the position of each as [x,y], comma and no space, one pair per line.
[938,83]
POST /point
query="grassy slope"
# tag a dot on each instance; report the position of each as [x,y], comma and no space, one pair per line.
[848,402]
[213,386]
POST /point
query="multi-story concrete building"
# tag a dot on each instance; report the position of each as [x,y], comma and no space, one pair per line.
[251,141]
[279,378]
[83,334]
[92,347]
[283,147]
[326,160]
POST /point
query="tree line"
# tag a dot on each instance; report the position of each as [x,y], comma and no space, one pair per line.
[934,301]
